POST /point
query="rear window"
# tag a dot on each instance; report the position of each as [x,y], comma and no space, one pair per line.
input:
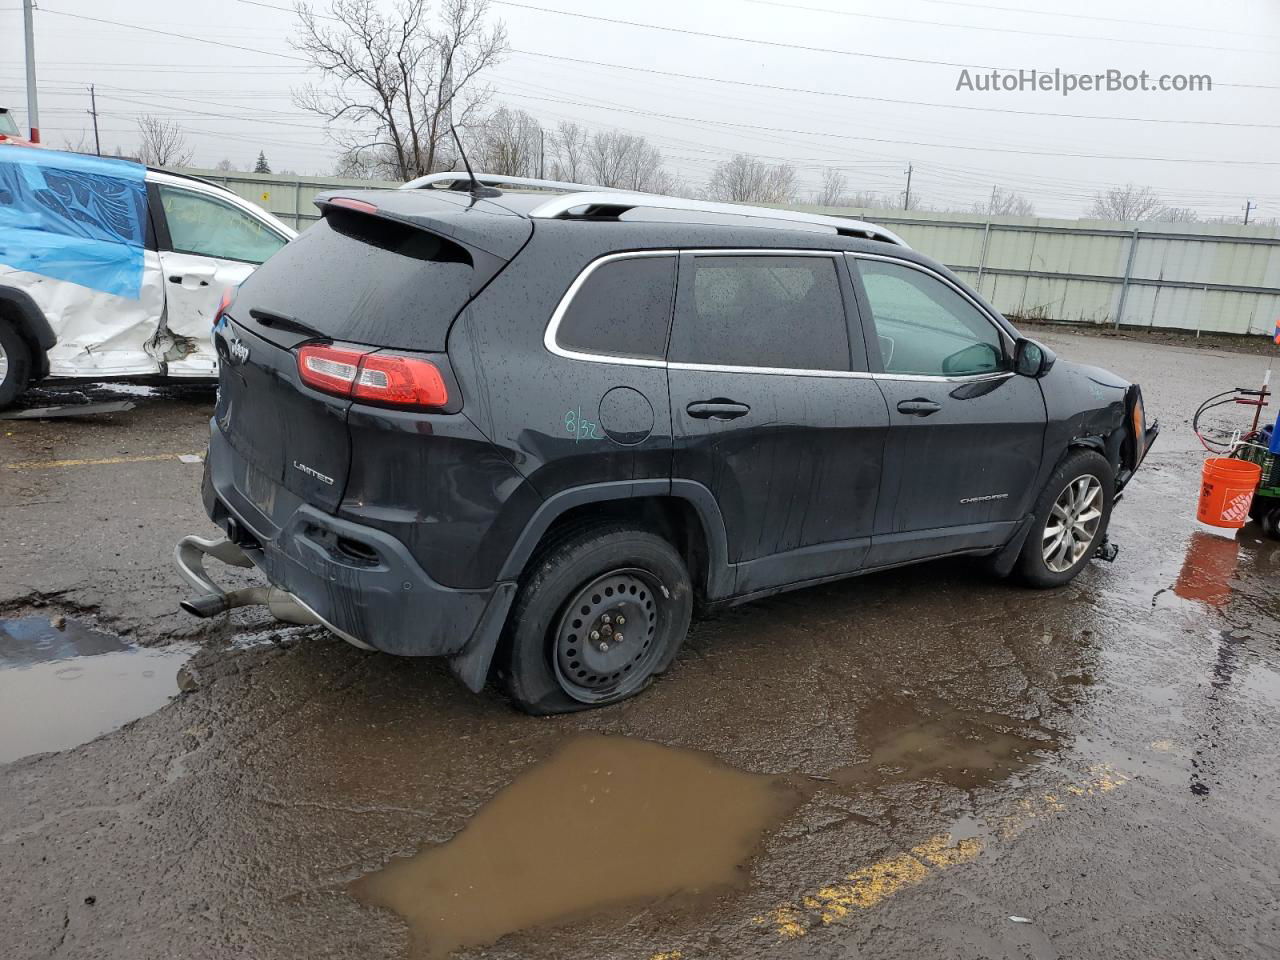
[365,280]
[622,309]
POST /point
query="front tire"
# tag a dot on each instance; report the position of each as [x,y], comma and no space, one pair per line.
[15,364]
[1071,518]
[560,652]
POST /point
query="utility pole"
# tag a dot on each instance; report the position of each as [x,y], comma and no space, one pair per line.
[906,197]
[93,111]
[1249,207]
[991,209]
[542,153]
[33,108]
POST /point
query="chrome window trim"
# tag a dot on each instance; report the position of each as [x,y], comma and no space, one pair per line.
[553,326]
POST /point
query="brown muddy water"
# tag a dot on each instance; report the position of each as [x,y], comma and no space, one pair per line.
[63,683]
[610,821]
[604,822]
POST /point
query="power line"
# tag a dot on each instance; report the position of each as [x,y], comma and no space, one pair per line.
[780,44]
[910,143]
[167,33]
[915,103]
[990,29]
[1091,18]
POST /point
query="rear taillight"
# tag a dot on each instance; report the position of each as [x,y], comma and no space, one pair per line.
[386,379]
[227,296]
[331,369]
[400,381]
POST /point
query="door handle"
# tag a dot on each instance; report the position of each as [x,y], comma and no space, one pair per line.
[717,409]
[919,407]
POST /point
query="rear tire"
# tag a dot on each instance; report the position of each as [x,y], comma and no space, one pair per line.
[558,654]
[15,364]
[1071,518]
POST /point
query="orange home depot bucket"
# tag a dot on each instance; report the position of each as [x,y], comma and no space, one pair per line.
[1226,491]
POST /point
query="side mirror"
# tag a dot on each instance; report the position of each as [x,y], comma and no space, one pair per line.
[1031,359]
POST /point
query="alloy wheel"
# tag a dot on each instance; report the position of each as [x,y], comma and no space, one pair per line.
[1073,523]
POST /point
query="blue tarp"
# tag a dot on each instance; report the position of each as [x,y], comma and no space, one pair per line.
[73,217]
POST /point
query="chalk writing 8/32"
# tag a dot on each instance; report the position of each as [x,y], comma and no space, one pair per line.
[579,428]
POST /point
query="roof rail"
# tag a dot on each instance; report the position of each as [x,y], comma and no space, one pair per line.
[462,181]
[612,201]
[597,204]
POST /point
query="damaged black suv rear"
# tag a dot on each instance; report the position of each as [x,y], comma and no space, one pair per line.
[531,432]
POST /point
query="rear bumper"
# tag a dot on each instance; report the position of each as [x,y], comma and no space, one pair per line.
[360,582]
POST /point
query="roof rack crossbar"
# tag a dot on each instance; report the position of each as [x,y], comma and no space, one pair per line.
[612,201]
[454,179]
[600,204]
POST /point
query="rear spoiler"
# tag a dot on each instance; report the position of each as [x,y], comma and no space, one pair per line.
[474,225]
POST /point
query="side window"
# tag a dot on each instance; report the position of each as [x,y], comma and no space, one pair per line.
[762,311]
[208,227]
[925,327]
[622,309]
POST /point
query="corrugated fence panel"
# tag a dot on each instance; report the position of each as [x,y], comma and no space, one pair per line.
[1191,276]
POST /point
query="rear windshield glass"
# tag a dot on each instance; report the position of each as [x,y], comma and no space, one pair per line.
[365,280]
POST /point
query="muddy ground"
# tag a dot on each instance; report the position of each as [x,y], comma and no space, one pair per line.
[895,766]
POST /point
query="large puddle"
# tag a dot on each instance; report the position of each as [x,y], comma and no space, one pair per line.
[603,822]
[62,683]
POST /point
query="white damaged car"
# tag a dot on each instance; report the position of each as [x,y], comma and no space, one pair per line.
[110,270]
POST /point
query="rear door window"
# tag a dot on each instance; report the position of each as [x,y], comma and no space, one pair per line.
[762,311]
[924,327]
[208,227]
[622,309]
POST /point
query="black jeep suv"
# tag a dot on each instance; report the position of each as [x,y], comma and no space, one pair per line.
[531,432]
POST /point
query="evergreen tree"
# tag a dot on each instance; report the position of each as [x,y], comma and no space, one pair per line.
[262,166]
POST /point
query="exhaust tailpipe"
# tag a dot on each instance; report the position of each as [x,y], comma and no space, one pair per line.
[212,600]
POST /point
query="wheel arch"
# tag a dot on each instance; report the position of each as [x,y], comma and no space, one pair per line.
[29,321]
[683,512]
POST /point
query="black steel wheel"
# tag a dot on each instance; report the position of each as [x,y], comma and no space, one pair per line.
[601,612]
[604,644]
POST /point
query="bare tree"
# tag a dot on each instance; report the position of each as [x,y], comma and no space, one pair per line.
[746,179]
[400,78]
[162,143]
[1130,202]
[1005,203]
[225,165]
[611,158]
[568,147]
[832,191]
[1178,215]
[509,142]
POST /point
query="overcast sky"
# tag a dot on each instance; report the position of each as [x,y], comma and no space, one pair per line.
[235,102]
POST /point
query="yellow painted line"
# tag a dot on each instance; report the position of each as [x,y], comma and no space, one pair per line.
[871,885]
[98,462]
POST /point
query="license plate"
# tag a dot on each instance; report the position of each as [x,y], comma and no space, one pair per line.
[261,490]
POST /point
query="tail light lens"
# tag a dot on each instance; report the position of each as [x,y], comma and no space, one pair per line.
[400,381]
[385,379]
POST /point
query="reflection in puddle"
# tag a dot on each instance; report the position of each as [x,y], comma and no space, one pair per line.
[910,740]
[63,685]
[605,821]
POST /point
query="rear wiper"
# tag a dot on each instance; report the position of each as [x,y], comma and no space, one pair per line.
[269,318]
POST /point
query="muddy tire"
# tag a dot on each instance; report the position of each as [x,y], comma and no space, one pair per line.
[15,364]
[561,649]
[1071,518]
